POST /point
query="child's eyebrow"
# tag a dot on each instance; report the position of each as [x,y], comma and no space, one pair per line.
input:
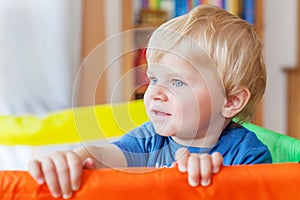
[187,77]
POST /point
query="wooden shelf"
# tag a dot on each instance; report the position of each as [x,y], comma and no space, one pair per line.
[293,118]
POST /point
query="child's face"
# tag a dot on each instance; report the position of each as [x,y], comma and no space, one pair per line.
[178,101]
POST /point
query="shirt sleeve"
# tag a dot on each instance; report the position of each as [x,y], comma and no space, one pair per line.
[240,146]
[257,156]
[253,151]
[135,145]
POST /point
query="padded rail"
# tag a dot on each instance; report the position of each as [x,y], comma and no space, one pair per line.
[265,181]
[73,125]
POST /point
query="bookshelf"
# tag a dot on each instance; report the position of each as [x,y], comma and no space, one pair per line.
[140,37]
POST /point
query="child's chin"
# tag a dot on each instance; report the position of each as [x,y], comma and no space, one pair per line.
[165,133]
[161,130]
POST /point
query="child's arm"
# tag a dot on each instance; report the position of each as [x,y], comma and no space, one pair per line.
[199,167]
[62,170]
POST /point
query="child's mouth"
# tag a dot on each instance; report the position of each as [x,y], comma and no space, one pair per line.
[160,113]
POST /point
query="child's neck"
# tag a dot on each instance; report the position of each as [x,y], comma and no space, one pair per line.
[208,140]
[204,142]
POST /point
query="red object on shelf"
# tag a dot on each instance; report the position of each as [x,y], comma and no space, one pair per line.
[141,79]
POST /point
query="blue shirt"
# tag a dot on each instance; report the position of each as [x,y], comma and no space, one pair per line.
[143,147]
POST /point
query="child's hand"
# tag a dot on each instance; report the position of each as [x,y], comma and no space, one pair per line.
[61,171]
[198,166]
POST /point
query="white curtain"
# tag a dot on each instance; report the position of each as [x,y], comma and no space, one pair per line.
[39,54]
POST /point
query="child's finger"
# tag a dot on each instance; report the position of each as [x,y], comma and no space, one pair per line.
[181,157]
[205,169]
[89,164]
[50,176]
[193,170]
[173,165]
[35,170]
[217,162]
[63,174]
[76,167]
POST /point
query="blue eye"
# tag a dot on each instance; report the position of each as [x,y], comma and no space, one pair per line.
[153,81]
[177,83]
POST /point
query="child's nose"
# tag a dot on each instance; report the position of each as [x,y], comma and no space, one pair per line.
[158,93]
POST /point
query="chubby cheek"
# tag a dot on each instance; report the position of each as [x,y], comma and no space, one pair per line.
[188,122]
[195,114]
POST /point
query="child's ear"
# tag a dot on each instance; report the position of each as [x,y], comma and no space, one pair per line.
[234,104]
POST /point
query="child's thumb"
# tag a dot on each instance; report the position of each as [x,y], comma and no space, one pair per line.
[89,164]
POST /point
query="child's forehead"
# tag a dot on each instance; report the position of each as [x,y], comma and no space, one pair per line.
[173,70]
[172,63]
[179,64]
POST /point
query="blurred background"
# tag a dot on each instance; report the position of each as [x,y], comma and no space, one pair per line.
[40,52]
[45,46]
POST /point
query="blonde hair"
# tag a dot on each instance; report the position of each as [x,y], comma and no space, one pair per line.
[229,42]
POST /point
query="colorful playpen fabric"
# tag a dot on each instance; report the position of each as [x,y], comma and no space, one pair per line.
[264,181]
[25,137]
